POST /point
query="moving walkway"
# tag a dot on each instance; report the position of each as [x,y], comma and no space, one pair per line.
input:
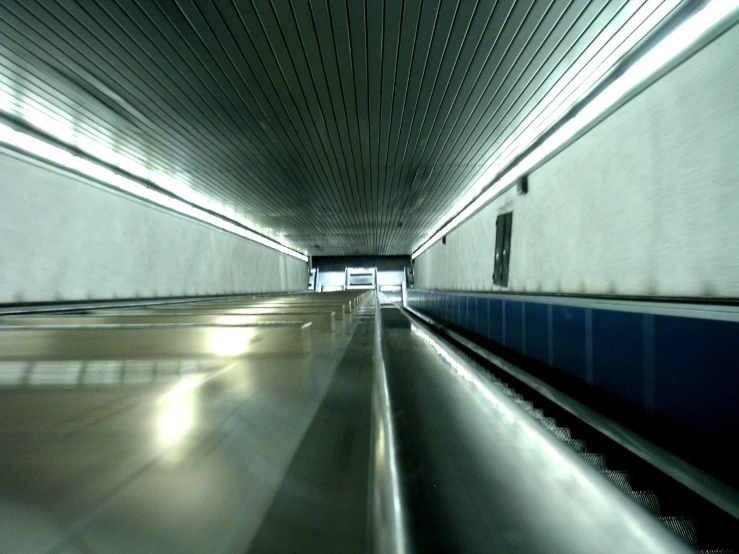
[265,424]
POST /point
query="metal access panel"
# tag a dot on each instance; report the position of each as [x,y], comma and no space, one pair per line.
[361,278]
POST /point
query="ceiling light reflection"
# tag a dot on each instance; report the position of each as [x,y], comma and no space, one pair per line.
[229,341]
[463,372]
[177,415]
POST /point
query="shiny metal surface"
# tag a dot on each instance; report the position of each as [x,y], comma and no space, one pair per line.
[191,461]
[718,493]
[340,310]
[353,298]
[322,503]
[336,306]
[298,300]
[247,308]
[57,308]
[272,453]
[320,321]
[151,341]
[390,529]
[350,301]
[490,478]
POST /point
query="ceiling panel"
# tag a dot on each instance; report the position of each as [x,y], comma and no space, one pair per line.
[338,127]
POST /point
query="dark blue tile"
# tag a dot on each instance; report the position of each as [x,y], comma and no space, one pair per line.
[513,325]
[469,317]
[495,320]
[456,301]
[618,348]
[481,316]
[568,335]
[537,335]
[697,373]
[471,314]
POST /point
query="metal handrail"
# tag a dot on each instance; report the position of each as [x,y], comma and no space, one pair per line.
[389,527]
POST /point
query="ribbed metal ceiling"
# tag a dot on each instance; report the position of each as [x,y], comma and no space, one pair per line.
[350,127]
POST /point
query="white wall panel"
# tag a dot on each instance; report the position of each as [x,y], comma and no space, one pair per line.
[331,278]
[647,203]
[390,277]
[64,238]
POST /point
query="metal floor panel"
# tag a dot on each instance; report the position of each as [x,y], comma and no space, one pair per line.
[246,308]
[320,321]
[188,465]
[321,505]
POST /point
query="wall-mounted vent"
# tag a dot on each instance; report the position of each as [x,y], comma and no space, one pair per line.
[523,184]
[503,226]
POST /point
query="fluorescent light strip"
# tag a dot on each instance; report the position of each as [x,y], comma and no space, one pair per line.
[586,77]
[669,48]
[587,71]
[59,125]
[64,158]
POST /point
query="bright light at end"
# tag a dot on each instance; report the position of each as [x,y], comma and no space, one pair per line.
[670,48]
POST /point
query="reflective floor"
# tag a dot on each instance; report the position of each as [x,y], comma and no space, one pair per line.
[157,459]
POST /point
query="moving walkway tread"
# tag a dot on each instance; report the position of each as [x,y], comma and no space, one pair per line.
[690,517]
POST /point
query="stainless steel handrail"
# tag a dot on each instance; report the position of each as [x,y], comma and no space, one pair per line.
[708,487]
[500,480]
[389,526]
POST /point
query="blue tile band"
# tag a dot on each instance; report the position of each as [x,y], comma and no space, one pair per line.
[680,365]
